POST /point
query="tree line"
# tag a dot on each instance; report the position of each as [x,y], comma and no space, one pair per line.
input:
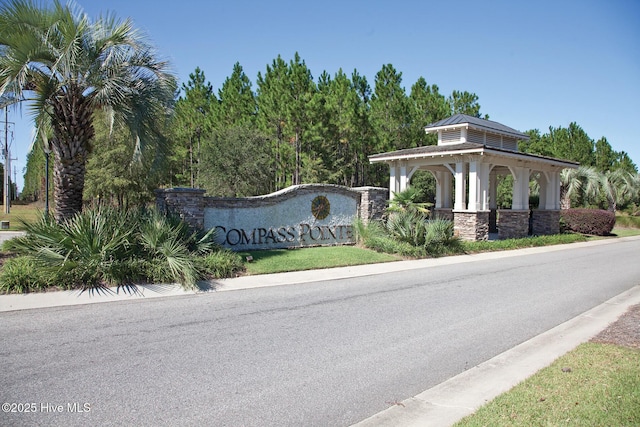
[291,129]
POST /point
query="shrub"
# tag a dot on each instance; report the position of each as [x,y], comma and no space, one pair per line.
[596,222]
[83,252]
[407,226]
[374,235]
[20,275]
[106,246]
[440,239]
[409,234]
[220,264]
[389,245]
[363,231]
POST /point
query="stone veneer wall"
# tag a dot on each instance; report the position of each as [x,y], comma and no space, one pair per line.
[471,225]
[545,222]
[373,202]
[189,203]
[513,224]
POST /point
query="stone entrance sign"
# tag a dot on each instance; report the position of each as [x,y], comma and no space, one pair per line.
[298,216]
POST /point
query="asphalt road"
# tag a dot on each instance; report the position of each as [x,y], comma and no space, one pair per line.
[317,354]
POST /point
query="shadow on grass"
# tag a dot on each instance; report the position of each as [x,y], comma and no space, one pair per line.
[264,255]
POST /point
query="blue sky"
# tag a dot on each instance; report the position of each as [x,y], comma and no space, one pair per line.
[533,64]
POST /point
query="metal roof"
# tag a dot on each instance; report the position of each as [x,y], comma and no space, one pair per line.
[475,122]
[462,148]
[426,150]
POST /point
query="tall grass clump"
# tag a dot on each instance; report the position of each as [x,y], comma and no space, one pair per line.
[221,263]
[627,221]
[20,275]
[374,235]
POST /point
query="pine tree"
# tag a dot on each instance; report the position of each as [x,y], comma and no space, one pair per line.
[195,111]
[390,116]
[237,101]
[272,116]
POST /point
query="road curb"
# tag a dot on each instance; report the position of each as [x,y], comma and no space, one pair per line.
[454,399]
[14,302]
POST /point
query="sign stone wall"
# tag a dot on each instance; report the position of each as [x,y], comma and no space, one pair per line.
[298,216]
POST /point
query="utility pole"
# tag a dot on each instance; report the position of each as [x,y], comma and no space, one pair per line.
[15,180]
[7,162]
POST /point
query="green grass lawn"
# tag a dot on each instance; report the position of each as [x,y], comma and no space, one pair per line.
[281,260]
[625,232]
[593,385]
[29,213]
[627,221]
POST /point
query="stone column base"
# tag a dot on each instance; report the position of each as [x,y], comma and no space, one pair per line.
[471,225]
[545,222]
[513,224]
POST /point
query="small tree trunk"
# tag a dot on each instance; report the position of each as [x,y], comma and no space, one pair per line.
[68,185]
[72,129]
[565,200]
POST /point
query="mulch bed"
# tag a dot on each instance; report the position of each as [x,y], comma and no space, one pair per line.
[623,332]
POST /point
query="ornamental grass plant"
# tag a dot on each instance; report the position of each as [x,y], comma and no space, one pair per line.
[105,246]
[409,234]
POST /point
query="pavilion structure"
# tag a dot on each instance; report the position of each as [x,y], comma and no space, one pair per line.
[471,155]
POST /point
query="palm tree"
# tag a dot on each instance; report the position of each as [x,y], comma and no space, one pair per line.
[68,67]
[584,181]
[407,200]
[618,186]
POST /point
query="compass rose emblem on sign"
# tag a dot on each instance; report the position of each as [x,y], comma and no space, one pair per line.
[320,207]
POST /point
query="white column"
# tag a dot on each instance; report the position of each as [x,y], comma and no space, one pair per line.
[474,167]
[438,175]
[446,190]
[403,177]
[460,177]
[483,184]
[393,180]
[543,183]
[553,191]
[520,188]
[517,189]
[526,173]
